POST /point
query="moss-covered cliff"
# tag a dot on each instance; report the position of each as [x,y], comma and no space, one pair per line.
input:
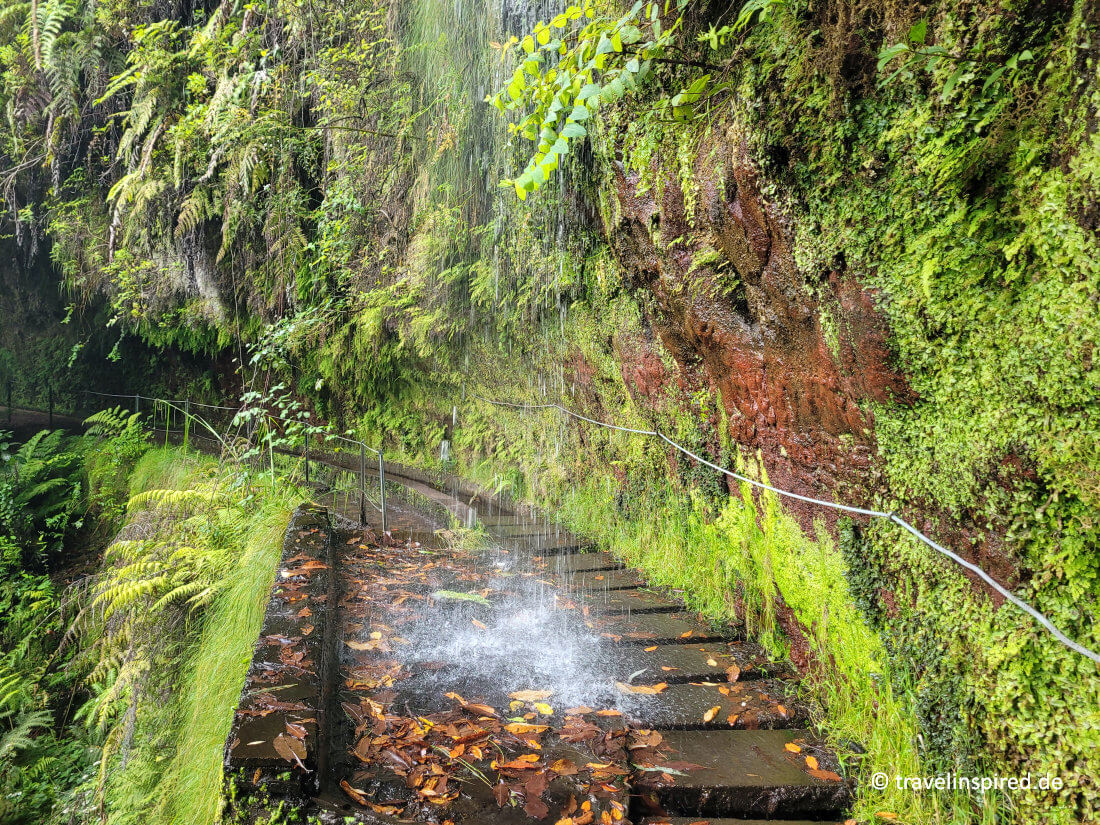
[851,246]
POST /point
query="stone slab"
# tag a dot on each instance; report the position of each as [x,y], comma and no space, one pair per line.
[759,704]
[655,628]
[675,663]
[741,774]
[576,562]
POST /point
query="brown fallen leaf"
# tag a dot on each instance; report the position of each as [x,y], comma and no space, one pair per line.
[645,690]
[531,695]
[731,720]
[828,776]
[710,714]
[886,815]
[608,713]
[650,649]
[521,727]
[297,731]
[479,625]
[355,794]
[563,767]
[291,749]
[792,747]
[811,763]
[782,710]
[733,673]
[712,662]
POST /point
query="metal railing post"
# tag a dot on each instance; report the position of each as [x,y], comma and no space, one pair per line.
[362,483]
[186,422]
[306,451]
[382,490]
[137,403]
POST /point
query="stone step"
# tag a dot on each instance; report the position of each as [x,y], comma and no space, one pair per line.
[573,563]
[520,530]
[631,601]
[759,704]
[655,628]
[676,663]
[737,773]
[600,581]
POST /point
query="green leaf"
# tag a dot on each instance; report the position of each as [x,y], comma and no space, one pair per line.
[633,65]
[949,86]
[580,112]
[588,91]
[464,597]
[617,42]
[573,130]
[604,46]
[918,31]
[889,53]
[528,44]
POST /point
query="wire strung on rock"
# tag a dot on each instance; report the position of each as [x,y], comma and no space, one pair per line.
[893,517]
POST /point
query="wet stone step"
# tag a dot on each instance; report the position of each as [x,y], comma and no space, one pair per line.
[656,628]
[576,562]
[737,773]
[759,704]
[631,601]
[548,546]
[694,820]
[675,663]
[520,530]
[598,581]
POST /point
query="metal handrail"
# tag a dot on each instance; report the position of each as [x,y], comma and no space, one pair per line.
[184,406]
[891,516]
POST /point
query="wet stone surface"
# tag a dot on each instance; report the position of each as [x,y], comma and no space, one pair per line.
[502,683]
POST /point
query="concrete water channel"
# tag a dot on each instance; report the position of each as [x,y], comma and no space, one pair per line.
[514,677]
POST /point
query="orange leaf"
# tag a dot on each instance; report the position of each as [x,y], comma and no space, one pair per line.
[792,747]
[811,763]
[826,775]
[710,714]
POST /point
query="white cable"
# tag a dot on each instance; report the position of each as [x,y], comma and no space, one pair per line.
[1022,605]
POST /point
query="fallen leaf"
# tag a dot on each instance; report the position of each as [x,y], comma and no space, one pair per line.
[886,815]
[731,720]
[712,662]
[544,709]
[733,673]
[531,695]
[356,795]
[608,712]
[478,624]
[650,649]
[811,763]
[297,731]
[792,747]
[710,714]
[826,775]
[782,710]
[522,727]
[291,749]
[455,595]
[645,690]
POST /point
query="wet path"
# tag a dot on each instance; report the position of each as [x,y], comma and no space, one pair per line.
[520,680]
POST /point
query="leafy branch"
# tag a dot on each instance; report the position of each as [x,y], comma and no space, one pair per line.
[568,66]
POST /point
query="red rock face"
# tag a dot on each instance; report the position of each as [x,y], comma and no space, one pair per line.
[742,321]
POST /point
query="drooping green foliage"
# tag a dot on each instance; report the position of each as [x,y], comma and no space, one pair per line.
[320,183]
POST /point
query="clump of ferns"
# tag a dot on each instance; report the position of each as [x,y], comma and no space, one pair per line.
[132,618]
